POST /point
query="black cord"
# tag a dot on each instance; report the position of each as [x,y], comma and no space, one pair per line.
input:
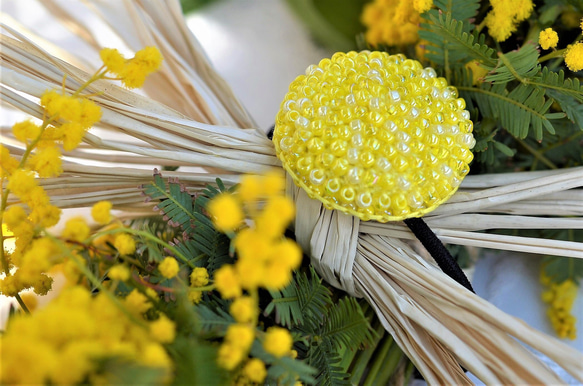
[438,251]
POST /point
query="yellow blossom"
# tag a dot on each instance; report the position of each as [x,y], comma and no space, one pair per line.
[47,162]
[14,216]
[119,272]
[101,212]
[574,57]
[288,253]
[169,267]
[154,355]
[548,39]
[229,356]
[243,309]
[226,212]
[253,245]
[278,341]
[422,6]
[163,329]
[149,58]
[113,60]
[125,244]
[25,131]
[76,229]
[277,275]
[392,22]
[8,164]
[137,302]
[90,113]
[71,134]
[273,183]
[227,282]
[250,188]
[194,296]
[199,277]
[240,335]
[504,17]
[250,274]
[21,182]
[255,370]
[275,217]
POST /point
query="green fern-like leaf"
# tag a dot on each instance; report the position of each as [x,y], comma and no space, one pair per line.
[556,81]
[214,322]
[515,65]
[518,111]
[175,202]
[450,42]
[570,106]
[464,10]
[323,357]
[347,326]
[304,296]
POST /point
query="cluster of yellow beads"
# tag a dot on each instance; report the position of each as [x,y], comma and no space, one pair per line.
[374,135]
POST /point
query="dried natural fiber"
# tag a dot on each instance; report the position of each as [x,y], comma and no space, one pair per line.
[208,133]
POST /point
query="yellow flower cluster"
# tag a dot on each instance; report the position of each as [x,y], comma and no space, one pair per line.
[199,278]
[505,16]
[132,72]
[63,342]
[574,57]
[548,39]
[169,267]
[561,297]
[265,259]
[393,22]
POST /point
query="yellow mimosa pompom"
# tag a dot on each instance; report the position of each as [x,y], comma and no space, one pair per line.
[422,6]
[119,272]
[243,309]
[76,229]
[240,335]
[47,162]
[194,296]
[199,277]
[124,244]
[21,183]
[230,355]
[149,58]
[136,302]
[226,212]
[169,267]
[278,341]
[352,134]
[112,59]
[25,130]
[101,212]
[227,282]
[255,370]
[548,39]
[154,355]
[8,164]
[288,253]
[14,216]
[163,329]
[574,57]
[250,188]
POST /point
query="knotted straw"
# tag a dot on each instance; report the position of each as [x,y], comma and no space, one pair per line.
[207,132]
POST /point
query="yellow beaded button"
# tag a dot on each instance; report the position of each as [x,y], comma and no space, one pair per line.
[374,135]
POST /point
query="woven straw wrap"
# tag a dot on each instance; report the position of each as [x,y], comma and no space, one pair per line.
[436,322]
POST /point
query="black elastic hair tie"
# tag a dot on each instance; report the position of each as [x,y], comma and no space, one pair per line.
[437,250]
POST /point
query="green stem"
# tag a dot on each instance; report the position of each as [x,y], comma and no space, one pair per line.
[379,361]
[535,153]
[21,303]
[552,55]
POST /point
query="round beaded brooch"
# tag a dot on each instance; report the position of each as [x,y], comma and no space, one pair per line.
[374,135]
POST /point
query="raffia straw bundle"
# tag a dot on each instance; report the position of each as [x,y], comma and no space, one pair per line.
[209,134]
